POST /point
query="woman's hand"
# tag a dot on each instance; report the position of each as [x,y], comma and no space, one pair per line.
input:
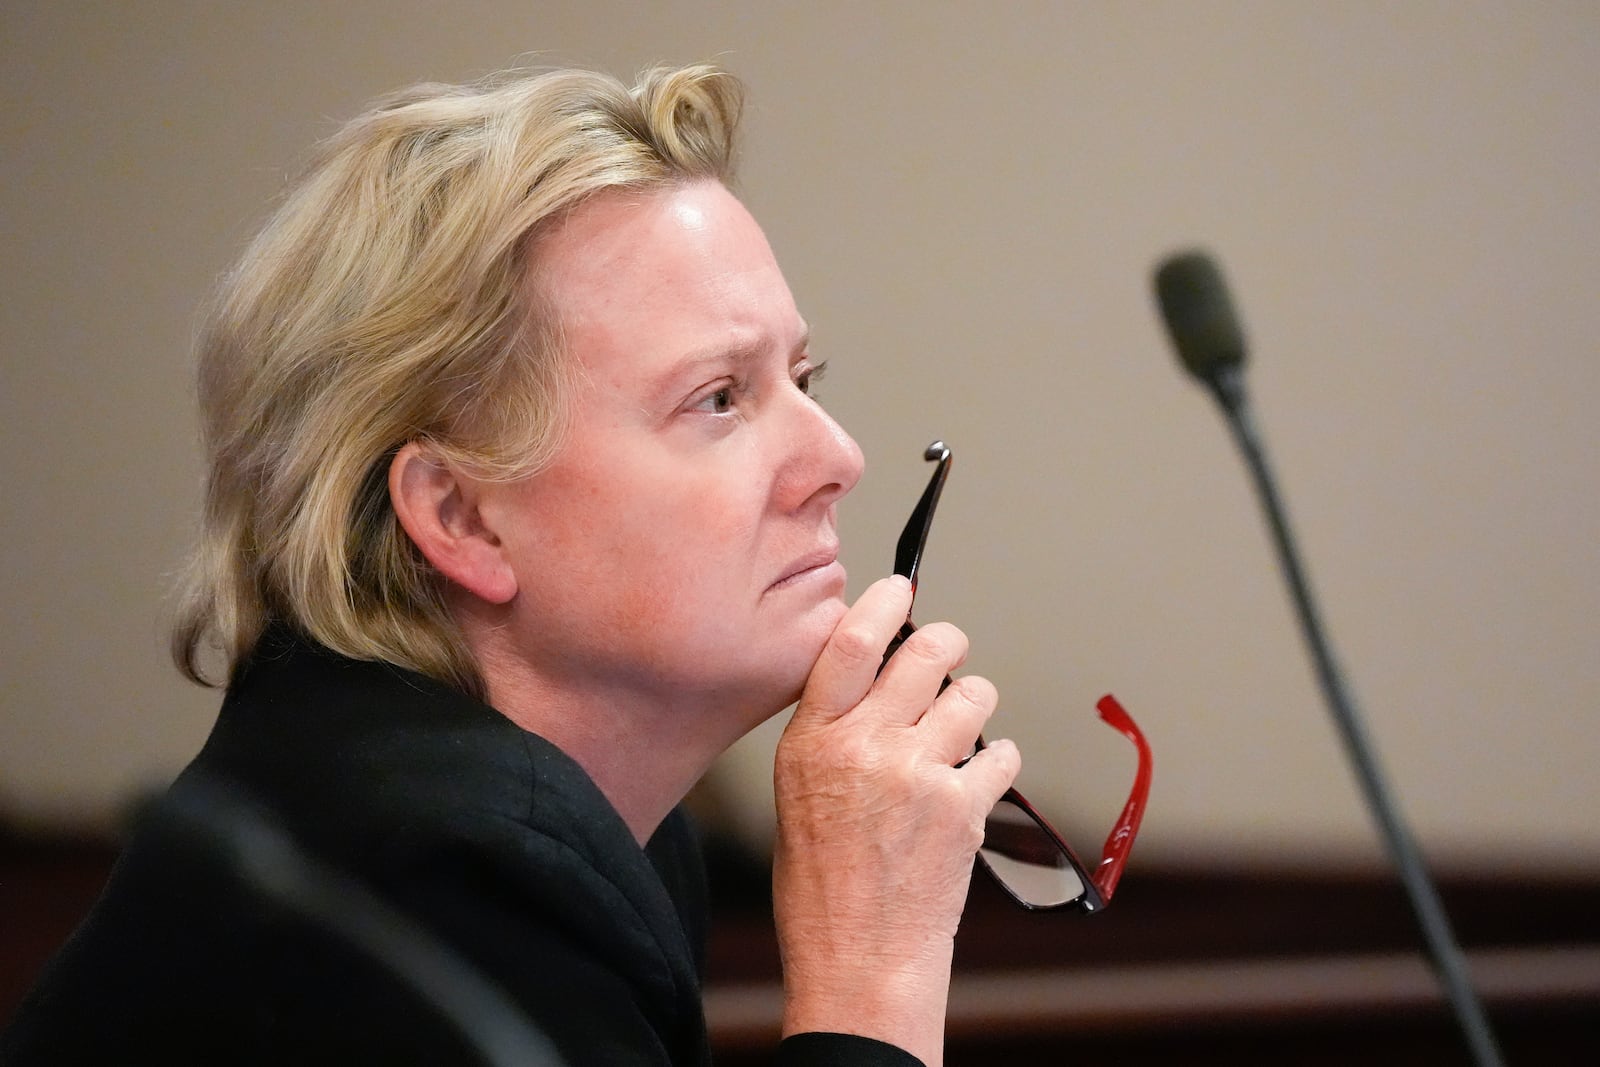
[877,828]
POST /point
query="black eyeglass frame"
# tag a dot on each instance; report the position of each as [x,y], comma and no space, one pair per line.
[1099,886]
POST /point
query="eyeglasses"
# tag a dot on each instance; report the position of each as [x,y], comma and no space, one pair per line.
[1021,851]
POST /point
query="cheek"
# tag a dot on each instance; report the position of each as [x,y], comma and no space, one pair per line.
[694,564]
[625,555]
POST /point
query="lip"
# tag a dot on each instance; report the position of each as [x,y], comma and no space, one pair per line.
[809,565]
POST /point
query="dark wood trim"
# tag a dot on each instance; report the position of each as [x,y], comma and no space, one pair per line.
[1225,966]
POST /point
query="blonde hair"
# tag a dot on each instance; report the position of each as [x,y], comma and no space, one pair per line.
[387,301]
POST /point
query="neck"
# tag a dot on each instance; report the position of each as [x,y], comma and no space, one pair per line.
[644,749]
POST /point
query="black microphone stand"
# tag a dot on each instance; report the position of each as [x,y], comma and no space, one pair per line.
[1227,383]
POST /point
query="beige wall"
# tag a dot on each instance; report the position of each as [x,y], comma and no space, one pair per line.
[967,198]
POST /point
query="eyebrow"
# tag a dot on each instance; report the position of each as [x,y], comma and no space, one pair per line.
[740,354]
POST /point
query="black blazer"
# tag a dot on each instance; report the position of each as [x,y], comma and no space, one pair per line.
[488,836]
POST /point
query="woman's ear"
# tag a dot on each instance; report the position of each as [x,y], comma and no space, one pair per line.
[438,509]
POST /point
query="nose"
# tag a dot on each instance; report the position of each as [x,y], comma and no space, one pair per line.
[823,463]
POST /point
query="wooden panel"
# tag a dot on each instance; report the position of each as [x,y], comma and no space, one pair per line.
[1198,967]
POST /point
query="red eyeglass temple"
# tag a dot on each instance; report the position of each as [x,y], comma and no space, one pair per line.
[1115,855]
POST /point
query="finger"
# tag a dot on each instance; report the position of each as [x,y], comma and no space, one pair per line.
[911,679]
[992,771]
[849,662]
[952,725]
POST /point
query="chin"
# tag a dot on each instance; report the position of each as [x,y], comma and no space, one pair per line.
[801,656]
[781,683]
[772,674]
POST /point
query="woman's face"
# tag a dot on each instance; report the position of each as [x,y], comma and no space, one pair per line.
[684,542]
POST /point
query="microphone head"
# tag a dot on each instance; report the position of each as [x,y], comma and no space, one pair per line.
[1199,315]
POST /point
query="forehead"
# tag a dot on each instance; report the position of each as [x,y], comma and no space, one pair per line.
[642,277]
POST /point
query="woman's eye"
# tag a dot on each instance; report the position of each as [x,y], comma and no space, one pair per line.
[806,381]
[719,402]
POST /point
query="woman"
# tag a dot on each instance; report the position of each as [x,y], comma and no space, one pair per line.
[519,513]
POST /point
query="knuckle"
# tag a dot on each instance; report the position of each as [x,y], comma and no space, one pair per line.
[1005,762]
[977,692]
[951,792]
[1010,768]
[976,825]
[938,645]
[856,754]
[856,644]
[966,818]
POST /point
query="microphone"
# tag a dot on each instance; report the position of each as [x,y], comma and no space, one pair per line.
[1199,315]
[1210,343]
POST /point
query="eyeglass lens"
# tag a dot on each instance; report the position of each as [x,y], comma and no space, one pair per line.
[1026,860]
